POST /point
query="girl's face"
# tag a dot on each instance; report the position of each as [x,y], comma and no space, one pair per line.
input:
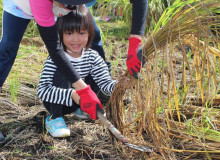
[75,42]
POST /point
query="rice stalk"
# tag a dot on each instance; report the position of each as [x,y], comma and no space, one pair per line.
[155,115]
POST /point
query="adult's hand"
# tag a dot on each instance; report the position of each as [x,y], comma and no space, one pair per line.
[89,102]
[59,9]
[134,57]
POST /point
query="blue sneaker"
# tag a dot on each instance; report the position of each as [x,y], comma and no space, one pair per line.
[57,127]
[80,114]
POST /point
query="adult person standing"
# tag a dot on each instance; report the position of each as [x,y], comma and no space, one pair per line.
[15,21]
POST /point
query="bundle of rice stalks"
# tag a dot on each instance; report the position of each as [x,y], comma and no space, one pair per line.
[182,68]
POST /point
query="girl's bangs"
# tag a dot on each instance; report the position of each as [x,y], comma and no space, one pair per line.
[75,22]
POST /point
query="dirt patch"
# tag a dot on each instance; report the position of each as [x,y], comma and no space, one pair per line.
[26,138]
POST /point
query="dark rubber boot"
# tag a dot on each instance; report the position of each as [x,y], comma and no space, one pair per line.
[2,139]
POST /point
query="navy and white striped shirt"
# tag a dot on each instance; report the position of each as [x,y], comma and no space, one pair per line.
[89,63]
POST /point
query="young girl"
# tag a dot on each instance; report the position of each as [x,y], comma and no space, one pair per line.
[16,16]
[76,33]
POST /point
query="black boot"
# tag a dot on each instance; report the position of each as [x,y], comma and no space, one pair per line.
[2,139]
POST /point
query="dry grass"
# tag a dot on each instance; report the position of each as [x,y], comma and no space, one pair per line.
[162,113]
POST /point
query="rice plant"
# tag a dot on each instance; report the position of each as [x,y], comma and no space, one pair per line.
[174,99]
[120,8]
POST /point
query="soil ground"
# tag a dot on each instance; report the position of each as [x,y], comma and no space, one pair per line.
[26,137]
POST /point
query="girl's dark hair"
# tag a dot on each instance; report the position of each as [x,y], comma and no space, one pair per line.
[78,18]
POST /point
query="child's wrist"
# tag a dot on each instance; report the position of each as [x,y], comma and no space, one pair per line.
[80,84]
[75,96]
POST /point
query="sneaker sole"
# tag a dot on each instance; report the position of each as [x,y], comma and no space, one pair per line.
[62,136]
[67,134]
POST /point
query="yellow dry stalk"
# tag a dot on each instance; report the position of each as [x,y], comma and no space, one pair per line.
[188,24]
[210,51]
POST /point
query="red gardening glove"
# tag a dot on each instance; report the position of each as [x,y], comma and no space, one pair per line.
[134,58]
[89,102]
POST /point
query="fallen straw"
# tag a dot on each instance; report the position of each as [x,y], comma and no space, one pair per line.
[120,137]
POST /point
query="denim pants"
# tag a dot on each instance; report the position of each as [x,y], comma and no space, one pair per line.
[13,29]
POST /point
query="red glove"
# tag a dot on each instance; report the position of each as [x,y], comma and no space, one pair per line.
[134,58]
[89,102]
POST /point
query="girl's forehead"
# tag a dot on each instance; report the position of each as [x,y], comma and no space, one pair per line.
[74,26]
[82,28]
[76,29]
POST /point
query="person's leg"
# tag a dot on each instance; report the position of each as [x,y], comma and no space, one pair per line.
[97,46]
[57,110]
[62,82]
[12,32]
[97,43]
[13,29]
[55,123]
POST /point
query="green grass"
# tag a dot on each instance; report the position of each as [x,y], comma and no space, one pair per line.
[13,87]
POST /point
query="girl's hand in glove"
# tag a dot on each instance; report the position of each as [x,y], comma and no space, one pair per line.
[89,102]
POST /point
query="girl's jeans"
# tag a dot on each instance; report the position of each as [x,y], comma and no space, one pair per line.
[13,29]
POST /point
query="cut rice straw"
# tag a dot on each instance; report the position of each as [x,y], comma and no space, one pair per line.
[170,78]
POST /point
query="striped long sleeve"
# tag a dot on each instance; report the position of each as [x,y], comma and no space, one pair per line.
[100,74]
[49,93]
[89,63]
